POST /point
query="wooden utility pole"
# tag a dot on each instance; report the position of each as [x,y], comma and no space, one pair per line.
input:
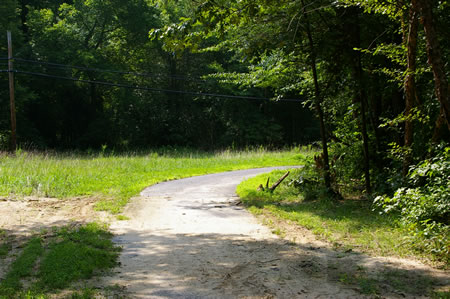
[13,144]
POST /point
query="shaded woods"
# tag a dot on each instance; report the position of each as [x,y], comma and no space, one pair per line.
[62,48]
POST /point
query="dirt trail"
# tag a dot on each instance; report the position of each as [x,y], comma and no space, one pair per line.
[189,239]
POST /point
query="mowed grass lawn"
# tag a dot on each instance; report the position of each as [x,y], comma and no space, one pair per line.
[116,178]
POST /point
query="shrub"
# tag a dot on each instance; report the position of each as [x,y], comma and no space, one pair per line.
[309,182]
[424,204]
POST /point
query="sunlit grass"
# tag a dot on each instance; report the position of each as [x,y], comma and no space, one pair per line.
[116,178]
[52,263]
[349,223]
[22,267]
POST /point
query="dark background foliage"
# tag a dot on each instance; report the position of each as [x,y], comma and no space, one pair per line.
[112,35]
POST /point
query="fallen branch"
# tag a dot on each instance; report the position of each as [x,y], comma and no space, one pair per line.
[274,186]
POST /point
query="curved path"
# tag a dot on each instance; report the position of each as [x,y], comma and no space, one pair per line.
[189,239]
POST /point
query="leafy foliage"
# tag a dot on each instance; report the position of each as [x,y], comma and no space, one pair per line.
[424,205]
[347,64]
[106,37]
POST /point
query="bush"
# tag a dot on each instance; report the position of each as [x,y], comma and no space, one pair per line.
[309,182]
[424,204]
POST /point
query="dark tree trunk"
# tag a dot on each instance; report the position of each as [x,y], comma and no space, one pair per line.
[437,65]
[23,18]
[318,103]
[365,136]
[361,96]
[410,86]
[374,111]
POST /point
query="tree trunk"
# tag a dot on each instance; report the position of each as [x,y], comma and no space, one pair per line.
[365,136]
[437,65]
[410,88]
[362,100]
[376,99]
[318,103]
[352,27]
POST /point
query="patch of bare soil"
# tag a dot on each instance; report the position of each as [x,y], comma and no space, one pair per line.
[22,218]
[386,277]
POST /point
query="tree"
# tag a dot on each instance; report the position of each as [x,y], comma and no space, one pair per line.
[410,88]
[437,64]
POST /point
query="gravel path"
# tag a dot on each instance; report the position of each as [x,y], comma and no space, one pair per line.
[188,239]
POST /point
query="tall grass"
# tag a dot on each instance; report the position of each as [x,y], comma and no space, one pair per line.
[116,178]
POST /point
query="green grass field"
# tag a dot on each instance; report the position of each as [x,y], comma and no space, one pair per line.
[116,178]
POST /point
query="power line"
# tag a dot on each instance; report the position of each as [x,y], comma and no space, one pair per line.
[150,88]
[82,68]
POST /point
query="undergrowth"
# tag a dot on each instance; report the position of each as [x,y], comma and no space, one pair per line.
[423,204]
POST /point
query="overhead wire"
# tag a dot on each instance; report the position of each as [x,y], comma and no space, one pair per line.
[105,83]
[207,94]
[83,68]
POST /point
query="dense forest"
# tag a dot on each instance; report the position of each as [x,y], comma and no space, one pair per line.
[228,73]
[60,46]
[365,79]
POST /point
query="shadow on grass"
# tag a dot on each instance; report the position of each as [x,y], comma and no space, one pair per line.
[357,214]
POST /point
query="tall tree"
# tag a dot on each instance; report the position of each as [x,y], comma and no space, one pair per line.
[410,86]
[436,61]
[318,99]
